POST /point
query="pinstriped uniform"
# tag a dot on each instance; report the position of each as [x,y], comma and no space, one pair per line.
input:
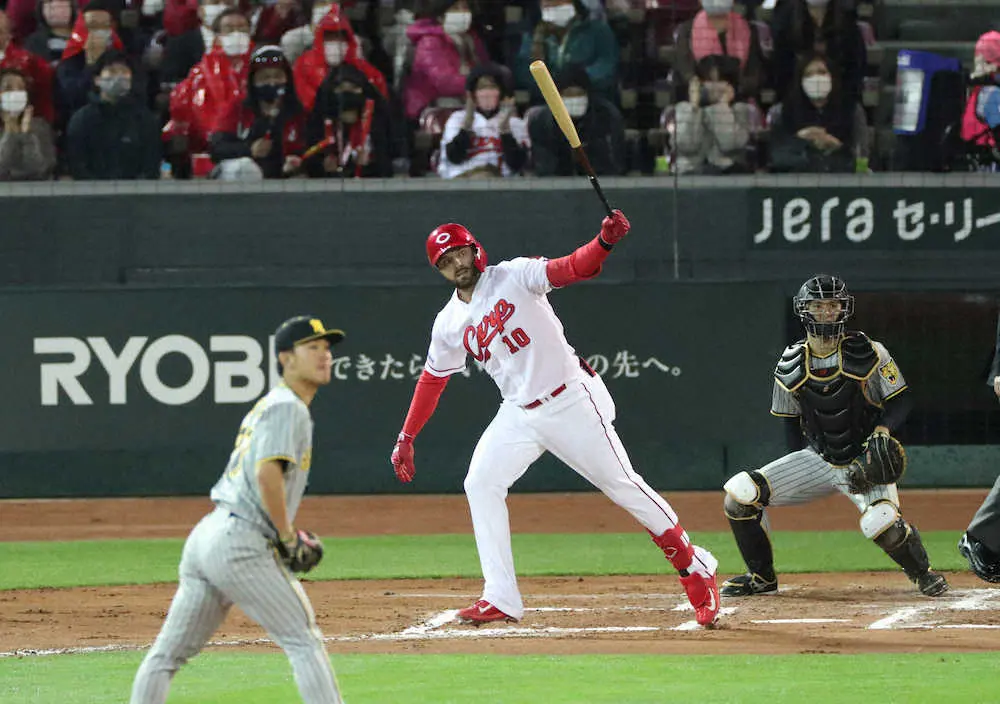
[228,559]
[802,476]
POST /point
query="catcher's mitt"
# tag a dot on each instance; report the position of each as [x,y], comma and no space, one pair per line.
[302,552]
[882,462]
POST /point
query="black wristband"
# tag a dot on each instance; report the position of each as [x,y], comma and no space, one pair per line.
[604,244]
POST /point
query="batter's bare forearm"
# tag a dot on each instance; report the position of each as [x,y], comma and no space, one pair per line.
[271,480]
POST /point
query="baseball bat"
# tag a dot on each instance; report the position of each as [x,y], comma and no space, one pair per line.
[540,72]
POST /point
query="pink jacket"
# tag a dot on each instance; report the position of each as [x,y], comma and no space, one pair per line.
[437,65]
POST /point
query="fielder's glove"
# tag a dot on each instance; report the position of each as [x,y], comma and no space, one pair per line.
[301,552]
[882,462]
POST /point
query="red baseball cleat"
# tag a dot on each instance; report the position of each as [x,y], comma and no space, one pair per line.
[483,612]
[703,593]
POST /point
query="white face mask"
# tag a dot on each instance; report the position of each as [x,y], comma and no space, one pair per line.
[102,34]
[717,7]
[577,107]
[14,101]
[2,54]
[319,12]
[457,22]
[817,87]
[559,15]
[334,52]
[210,13]
[235,43]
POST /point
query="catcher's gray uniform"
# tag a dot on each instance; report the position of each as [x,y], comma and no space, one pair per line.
[229,559]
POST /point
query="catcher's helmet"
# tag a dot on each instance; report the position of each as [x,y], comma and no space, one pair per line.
[823,287]
[452,235]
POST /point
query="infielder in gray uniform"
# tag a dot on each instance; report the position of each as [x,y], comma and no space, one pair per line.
[245,550]
[980,544]
[839,389]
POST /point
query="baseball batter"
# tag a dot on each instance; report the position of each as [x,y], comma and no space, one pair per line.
[245,550]
[980,544]
[839,389]
[552,401]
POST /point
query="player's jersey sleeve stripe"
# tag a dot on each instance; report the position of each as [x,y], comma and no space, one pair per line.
[277,458]
[784,415]
[443,372]
[896,392]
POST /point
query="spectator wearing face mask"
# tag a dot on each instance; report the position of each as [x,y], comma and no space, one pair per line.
[817,128]
[201,99]
[27,150]
[487,138]
[351,120]
[712,127]
[55,23]
[36,71]
[981,120]
[182,52]
[276,19]
[295,42]
[115,136]
[598,122]
[334,43]
[566,34]
[717,30]
[267,127]
[93,35]
[445,49]
[830,27]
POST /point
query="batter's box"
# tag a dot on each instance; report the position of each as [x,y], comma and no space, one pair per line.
[967,609]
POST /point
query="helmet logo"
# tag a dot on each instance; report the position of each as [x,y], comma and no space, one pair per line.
[443,237]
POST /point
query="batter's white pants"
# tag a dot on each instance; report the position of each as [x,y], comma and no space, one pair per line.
[577,427]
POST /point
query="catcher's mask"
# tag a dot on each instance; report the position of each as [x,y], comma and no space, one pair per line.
[823,287]
[452,235]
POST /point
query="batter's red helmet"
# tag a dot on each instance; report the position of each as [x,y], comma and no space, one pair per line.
[449,236]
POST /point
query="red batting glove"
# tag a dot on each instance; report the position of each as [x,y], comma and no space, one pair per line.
[615,227]
[402,458]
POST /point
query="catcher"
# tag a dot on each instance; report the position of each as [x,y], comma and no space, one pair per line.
[843,394]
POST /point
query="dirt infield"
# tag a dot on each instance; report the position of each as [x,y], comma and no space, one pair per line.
[837,613]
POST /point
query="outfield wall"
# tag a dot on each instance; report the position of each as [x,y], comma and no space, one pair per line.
[137,319]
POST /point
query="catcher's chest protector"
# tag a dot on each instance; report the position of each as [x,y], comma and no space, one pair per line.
[836,416]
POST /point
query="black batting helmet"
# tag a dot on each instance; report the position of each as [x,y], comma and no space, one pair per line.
[823,287]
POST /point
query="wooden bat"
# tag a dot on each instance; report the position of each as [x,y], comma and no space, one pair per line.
[540,72]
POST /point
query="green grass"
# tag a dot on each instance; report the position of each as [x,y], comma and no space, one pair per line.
[265,678]
[89,563]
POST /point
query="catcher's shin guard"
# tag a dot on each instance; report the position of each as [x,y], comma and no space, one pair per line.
[747,494]
[902,543]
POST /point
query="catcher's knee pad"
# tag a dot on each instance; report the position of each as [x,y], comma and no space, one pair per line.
[747,493]
[878,519]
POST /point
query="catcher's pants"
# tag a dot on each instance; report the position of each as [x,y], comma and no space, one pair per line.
[227,561]
[802,476]
[985,525]
[577,427]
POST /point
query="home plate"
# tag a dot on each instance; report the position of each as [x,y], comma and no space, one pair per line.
[802,620]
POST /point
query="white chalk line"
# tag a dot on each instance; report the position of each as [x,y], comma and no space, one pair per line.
[801,620]
[960,600]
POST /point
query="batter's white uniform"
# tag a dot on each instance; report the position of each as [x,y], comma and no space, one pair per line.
[229,559]
[509,328]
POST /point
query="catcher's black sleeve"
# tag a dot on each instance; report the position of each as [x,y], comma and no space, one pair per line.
[896,409]
[793,434]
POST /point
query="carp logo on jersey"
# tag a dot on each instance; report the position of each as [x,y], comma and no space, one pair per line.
[479,337]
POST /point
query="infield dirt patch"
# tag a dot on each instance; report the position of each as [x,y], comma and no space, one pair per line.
[839,613]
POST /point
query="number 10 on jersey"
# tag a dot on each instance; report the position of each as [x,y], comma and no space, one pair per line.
[517,340]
